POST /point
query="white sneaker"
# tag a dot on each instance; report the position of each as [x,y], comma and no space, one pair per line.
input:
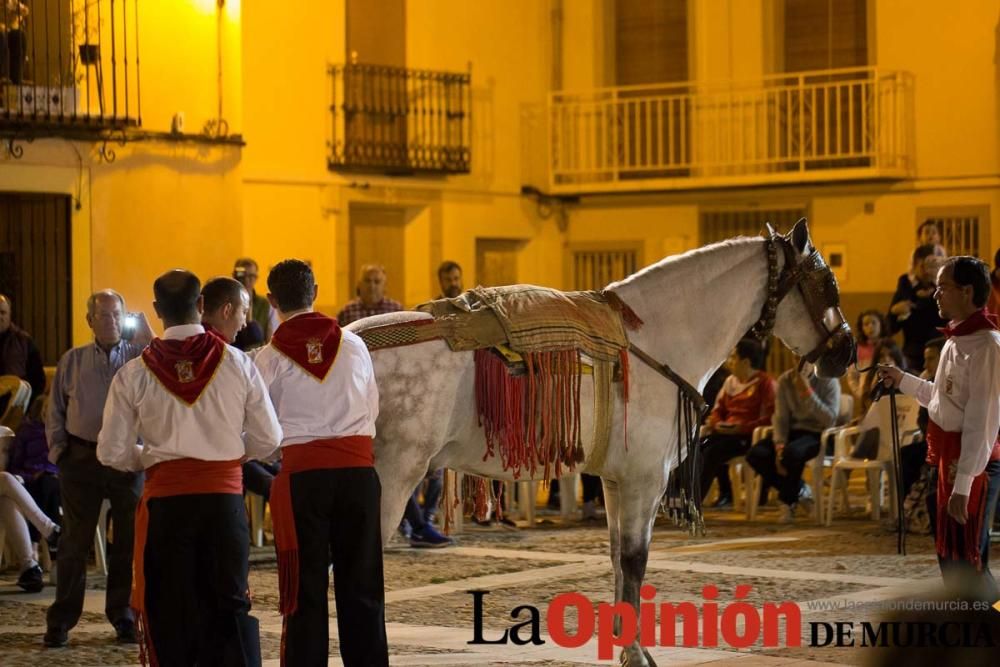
[786,513]
[805,492]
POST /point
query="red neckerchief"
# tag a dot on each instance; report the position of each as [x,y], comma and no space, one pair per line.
[209,329]
[977,321]
[185,367]
[311,340]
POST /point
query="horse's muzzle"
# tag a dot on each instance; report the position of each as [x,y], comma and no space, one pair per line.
[838,354]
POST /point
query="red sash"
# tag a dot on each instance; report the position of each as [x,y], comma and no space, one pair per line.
[944,449]
[353,451]
[185,367]
[179,477]
[311,340]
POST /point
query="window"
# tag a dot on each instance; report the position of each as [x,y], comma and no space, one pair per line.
[964,230]
[720,225]
[594,266]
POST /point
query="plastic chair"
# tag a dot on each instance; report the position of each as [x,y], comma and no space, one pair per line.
[20,396]
[101,538]
[256,506]
[882,468]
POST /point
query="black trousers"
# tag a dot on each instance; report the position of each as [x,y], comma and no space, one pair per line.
[800,448]
[716,450]
[338,515]
[196,565]
[84,484]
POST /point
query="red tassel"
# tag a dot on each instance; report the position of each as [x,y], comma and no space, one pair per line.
[288,582]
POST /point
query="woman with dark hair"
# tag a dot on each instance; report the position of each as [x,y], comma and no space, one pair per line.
[886,352]
[871,329]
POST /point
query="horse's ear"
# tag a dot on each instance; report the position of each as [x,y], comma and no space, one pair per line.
[800,236]
[770,230]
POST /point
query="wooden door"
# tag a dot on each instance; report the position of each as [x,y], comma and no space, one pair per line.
[377,237]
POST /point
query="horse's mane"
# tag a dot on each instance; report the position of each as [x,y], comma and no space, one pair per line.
[686,261]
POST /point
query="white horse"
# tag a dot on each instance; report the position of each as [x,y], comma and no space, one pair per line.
[695,307]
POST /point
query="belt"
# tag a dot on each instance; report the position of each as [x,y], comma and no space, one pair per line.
[76,440]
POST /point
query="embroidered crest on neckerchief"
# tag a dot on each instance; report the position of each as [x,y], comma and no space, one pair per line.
[185,371]
[314,351]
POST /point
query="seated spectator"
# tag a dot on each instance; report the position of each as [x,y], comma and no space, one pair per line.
[19,356]
[745,402]
[29,497]
[371,299]
[913,309]
[932,356]
[871,329]
[806,405]
[877,414]
[886,352]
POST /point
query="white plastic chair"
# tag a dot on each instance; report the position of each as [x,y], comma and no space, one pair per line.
[881,469]
[20,395]
[256,506]
[101,538]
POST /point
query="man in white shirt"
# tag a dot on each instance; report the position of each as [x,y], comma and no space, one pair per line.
[325,502]
[199,407]
[963,403]
[227,304]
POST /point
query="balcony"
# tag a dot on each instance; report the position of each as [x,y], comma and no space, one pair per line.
[68,67]
[398,121]
[831,125]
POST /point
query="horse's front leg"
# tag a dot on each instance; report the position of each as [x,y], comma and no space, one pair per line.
[637,503]
[614,537]
[399,477]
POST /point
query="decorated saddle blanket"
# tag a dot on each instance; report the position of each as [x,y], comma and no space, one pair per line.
[532,346]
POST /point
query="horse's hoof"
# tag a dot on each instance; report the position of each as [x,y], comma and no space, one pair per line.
[636,657]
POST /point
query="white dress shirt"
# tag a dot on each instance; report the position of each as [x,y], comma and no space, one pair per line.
[343,404]
[965,397]
[233,418]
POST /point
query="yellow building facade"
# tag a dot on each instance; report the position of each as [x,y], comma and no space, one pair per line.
[602,135]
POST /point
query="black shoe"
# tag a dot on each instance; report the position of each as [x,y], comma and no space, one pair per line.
[55,638]
[53,542]
[724,502]
[125,632]
[31,580]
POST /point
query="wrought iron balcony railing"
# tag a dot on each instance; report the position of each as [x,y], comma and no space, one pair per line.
[396,120]
[69,65]
[810,126]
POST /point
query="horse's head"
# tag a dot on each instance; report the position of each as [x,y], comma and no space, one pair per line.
[803,304]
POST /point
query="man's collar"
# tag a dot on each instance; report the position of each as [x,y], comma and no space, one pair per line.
[182,331]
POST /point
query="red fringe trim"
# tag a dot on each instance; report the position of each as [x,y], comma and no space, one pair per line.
[147,654]
[631,320]
[531,421]
[288,582]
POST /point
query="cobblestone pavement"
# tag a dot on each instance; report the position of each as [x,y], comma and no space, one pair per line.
[829,572]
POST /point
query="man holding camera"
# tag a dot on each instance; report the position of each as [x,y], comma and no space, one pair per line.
[75,414]
[263,320]
[963,404]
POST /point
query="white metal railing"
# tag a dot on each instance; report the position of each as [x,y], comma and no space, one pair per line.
[773,129]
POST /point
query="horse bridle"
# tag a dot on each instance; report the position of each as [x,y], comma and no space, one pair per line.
[816,284]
